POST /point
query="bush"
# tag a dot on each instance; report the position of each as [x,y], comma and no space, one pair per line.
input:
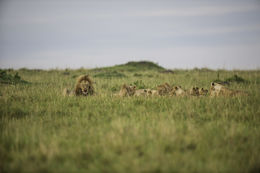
[234,78]
[6,78]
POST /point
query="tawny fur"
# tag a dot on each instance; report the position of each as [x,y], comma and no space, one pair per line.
[217,89]
[194,91]
[126,90]
[155,93]
[164,89]
[178,91]
[203,92]
[67,92]
[143,92]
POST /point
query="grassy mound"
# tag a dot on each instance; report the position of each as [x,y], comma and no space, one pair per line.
[132,66]
[144,65]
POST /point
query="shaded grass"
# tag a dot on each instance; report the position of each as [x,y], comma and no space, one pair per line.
[112,74]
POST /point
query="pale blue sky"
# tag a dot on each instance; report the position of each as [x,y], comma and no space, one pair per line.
[94,33]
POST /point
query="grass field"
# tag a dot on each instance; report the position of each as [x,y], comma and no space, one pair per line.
[43,131]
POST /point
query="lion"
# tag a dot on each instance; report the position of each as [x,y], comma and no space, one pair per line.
[143,92]
[164,89]
[194,91]
[203,92]
[217,89]
[83,87]
[178,91]
[155,93]
[126,90]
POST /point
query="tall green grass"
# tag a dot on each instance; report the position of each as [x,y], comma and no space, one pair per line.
[43,131]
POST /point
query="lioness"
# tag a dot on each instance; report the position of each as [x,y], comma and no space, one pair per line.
[217,89]
[178,91]
[126,90]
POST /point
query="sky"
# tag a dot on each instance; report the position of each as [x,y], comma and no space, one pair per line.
[222,34]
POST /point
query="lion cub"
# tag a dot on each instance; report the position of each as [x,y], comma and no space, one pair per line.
[194,91]
[217,89]
[203,92]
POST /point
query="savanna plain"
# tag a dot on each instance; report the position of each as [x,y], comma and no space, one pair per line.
[43,131]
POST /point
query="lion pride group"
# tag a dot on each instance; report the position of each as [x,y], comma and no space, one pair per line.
[84,87]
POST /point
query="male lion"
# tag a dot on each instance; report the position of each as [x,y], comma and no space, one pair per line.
[83,87]
[217,89]
[164,89]
[126,90]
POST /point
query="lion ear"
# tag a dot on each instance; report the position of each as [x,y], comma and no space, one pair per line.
[176,88]
[212,84]
[134,87]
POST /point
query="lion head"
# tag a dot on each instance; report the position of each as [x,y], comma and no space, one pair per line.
[84,86]
[215,88]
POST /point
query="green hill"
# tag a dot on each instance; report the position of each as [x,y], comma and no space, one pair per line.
[133,66]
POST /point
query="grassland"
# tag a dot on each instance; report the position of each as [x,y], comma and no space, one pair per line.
[42,131]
